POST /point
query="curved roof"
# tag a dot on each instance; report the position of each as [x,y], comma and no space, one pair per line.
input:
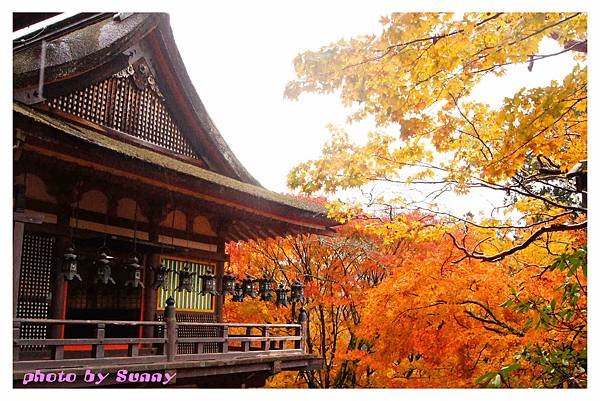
[76,48]
[88,48]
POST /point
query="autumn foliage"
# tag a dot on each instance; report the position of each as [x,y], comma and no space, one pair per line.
[397,312]
[406,294]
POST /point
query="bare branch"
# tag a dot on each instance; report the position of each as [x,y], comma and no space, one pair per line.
[491,319]
[523,245]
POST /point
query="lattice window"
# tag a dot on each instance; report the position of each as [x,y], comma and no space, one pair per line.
[193,301]
[34,285]
[130,102]
[194,331]
[190,300]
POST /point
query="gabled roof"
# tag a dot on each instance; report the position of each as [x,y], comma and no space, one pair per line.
[89,48]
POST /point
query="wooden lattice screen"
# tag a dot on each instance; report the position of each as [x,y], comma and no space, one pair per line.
[189,305]
[130,102]
[193,331]
[189,301]
[35,281]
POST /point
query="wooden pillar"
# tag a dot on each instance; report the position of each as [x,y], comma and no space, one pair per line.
[16,336]
[66,190]
[303,320]
[155,213]
[59,285]
[19,220]
[220,267]
[150,294]
[18,233]
[98,349]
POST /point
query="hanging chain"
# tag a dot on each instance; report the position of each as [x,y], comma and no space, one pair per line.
[135,228]
[75,214]
[105,228]
[172,201]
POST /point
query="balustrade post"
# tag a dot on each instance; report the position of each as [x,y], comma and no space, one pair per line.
[225,346]
[303,320]
[98,349]
[16,338]
[246,344]
[266,343]
[171,322]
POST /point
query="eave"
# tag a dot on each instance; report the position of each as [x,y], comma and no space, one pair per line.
[269,214]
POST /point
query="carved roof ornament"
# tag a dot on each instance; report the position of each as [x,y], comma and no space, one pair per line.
[141,75]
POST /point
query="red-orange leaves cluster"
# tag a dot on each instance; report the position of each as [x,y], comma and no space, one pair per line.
[395,304]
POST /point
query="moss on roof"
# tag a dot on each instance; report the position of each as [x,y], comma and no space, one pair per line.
[172,164]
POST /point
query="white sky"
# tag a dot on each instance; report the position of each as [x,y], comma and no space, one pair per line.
[240,62]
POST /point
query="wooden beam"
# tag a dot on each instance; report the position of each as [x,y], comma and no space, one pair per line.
[167,249]
[18,232]
[180,199]
[245,230]
[237,233]
[105,160]
[250,228]
[122,222]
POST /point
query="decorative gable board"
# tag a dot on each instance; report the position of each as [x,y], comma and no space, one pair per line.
[130,102]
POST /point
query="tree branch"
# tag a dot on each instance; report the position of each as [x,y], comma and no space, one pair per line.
[493,320]
[523,245]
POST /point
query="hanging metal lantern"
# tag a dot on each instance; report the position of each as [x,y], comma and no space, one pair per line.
[228,283]
[238,293]
[297,292]
[281,295]
[209,283]
[69,266]
[265,288]
[136,273]
[185,279]
[103,272]
[161,277]
[248,287]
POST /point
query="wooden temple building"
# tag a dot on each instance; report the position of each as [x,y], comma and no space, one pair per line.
[123,190]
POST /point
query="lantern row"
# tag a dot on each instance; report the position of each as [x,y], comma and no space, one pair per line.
[102,261]
[239,289]
[246,288]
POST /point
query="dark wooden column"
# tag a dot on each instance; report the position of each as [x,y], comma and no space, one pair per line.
[150,294]
[66,191]
[220,226]
[18,231]
[155,212]
[220,267]
[18,223]
[20,218]
[59,285]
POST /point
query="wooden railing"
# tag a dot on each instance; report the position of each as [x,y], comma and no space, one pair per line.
[229,341]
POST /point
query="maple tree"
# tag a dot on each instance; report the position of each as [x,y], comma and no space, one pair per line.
[406,294]
[391,309]
[416,78]
[335,271]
